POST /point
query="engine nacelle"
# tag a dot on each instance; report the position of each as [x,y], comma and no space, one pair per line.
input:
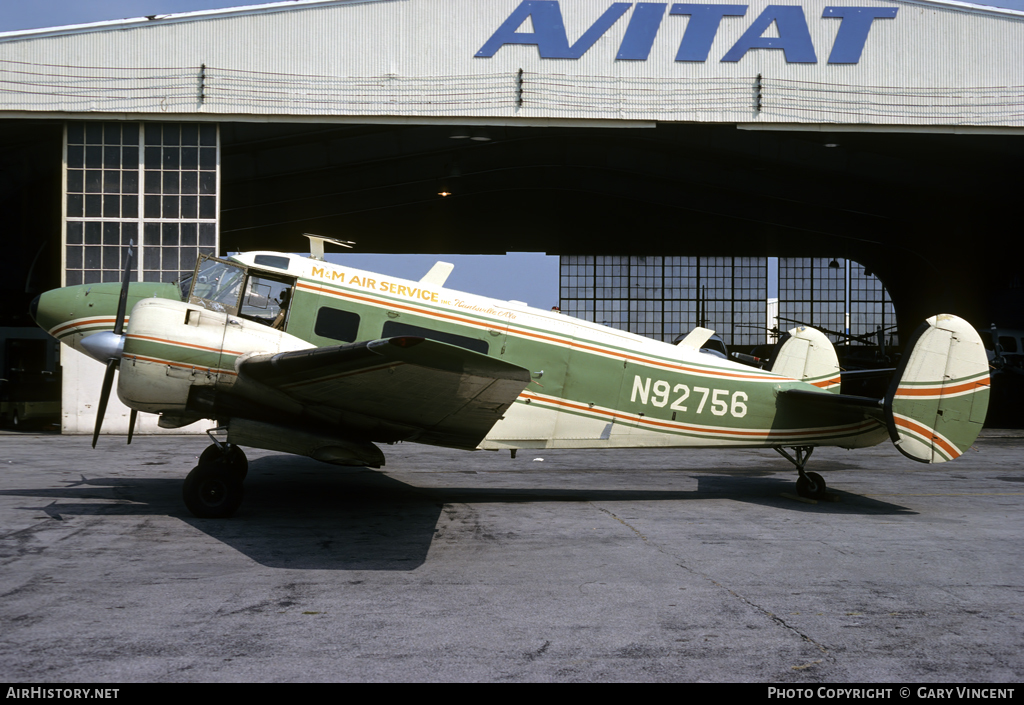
[171,346]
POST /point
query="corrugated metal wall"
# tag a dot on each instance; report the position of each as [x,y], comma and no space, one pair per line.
[931,65]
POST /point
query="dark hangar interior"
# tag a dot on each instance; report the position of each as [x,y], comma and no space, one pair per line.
[911,206]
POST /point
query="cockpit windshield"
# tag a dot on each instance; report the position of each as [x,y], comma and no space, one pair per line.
[185,284]
[217,285]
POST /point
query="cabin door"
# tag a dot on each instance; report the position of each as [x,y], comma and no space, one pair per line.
[543,348]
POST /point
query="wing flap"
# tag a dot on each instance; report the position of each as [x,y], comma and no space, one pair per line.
[449,395]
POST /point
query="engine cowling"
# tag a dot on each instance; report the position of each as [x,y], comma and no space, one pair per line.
[171,346]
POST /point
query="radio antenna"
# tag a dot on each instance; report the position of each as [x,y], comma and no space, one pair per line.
[316,245]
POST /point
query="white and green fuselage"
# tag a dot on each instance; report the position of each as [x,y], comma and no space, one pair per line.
[590,386]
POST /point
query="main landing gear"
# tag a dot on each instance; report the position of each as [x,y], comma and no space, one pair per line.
[810,485]
[213,490]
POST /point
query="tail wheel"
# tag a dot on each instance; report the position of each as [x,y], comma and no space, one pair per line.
[811,485]
[211,492]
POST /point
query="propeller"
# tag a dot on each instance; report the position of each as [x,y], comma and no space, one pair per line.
[111,345]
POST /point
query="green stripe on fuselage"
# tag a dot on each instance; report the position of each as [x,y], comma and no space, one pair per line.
[58,307]
[181,354]
[634,380]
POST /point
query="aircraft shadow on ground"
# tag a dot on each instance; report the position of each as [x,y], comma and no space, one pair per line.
[300,514]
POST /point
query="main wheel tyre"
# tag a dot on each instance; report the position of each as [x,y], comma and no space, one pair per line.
[811,485]
[211,492]
[234,460]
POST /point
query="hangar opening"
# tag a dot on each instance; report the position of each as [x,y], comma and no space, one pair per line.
[906,168]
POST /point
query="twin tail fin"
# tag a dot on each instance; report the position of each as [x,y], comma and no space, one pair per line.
[805,353]
[938,398]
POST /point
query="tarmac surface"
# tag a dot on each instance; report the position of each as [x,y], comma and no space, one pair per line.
[653,565]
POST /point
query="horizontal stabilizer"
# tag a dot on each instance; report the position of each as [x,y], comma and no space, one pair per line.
[696,338]
[438,274]
[869,406]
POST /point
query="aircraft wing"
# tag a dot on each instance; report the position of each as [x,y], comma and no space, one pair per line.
[439,393]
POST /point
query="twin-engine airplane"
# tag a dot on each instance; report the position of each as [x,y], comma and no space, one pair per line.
[295,354]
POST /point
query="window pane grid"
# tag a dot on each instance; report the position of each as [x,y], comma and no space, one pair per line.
[124,180]
[666,297]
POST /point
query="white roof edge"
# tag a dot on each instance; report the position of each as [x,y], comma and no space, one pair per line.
[283,5]
[972,7]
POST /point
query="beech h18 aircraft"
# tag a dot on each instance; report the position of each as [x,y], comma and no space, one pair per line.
[291,353]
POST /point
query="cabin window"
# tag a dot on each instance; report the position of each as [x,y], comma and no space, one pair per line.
[272,261]
[1008,344]
[336,324]
[393,328]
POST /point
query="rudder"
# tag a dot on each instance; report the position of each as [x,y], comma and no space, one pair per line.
[938,398]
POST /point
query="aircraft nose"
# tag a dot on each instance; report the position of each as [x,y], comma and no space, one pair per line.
[43,309]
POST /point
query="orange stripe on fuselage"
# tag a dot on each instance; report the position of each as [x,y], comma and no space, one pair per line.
[86,322]
[733,432]
[197,368]
[180,344]
[572,343]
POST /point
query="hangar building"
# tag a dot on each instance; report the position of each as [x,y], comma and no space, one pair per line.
[636,140]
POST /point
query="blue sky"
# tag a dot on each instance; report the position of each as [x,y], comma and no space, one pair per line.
[31,14]
[529,277]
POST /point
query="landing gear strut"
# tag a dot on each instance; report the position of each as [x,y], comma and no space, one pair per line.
[213,490]
[230,457]
[809,485]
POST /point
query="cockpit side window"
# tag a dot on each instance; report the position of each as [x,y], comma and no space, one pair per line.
[267,299]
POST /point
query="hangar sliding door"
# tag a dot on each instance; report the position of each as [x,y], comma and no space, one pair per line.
[152,183]
[665,297]
[156,184]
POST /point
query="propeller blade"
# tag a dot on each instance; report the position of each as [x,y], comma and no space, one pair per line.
[114,362]
[108,382]
[131,425]
[122,302]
